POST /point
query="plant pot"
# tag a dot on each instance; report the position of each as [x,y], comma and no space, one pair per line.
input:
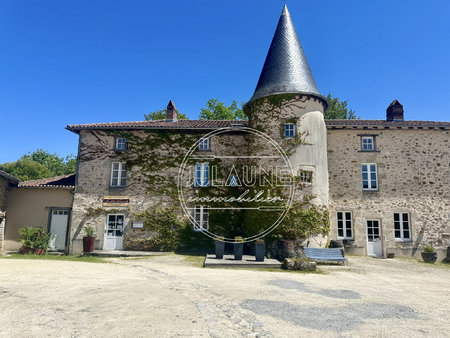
[220,248]
[288,248]
[88,244]
[238,250]
[260,251]
[39,251]
[429,257]
[26,250]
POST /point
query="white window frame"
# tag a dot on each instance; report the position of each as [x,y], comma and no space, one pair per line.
[372,176]
[122,141]
[344,220]
[371,143]
[201,218]
[201,174]
[121,171]
[289,130]
[306,176]
[204,144]
[403,226]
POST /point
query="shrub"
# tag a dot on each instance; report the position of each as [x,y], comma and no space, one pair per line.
[428,249]
[34,238]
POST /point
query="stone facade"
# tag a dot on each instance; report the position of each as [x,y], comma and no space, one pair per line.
[413,178]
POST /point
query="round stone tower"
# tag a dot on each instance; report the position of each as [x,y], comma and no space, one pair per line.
[287,106]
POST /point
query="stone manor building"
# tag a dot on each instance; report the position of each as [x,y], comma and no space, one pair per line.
[384,182]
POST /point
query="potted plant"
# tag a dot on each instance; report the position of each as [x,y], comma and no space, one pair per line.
[429,254]
[238,247]
[219,247]
[28,237]
[89,239]
[260,250]
[41,242]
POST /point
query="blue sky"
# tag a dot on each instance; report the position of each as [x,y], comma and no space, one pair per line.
[70,62]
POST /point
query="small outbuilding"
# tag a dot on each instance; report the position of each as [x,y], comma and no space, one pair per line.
[46,202]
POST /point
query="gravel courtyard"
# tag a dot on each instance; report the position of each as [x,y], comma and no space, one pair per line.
[166,296]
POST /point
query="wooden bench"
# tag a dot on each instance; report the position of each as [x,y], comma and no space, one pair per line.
[330,254]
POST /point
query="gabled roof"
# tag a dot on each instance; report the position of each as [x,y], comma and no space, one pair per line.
[158,124]
[9,177]
[286,69]
[58,182]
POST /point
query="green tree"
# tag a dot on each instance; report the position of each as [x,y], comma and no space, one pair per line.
[338,110]
[162,115]
[217,110]
[26,169]
[40,164]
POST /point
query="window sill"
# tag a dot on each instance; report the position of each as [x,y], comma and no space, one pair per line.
[370,190]
[120,150]
[399,240]
[368,151]
[117,186]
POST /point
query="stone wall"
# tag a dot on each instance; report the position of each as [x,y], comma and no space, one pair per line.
[149,183]
[3,198]
[413,177]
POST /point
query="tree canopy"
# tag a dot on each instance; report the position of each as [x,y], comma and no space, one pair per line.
[40,164]
[217,110]
[162,115]
[338,110]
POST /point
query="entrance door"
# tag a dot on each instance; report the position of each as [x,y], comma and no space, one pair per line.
[373,238]
[58,228]
[114,232]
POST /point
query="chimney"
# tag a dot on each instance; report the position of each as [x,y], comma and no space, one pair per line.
[395,112]
[171,112]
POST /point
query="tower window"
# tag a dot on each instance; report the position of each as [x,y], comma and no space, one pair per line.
[306,176]
[289,130]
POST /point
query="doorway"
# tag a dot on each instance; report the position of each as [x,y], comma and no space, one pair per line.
[374,247]
[59,221]
[114,232]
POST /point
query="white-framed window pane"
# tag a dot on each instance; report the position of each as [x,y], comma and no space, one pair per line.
[305,176]
[121,143]
[369,176]
[118,174]
[401,226]
[344,225]
[204,144]
[289,130]
[201,218]
[201,175]
[367,143]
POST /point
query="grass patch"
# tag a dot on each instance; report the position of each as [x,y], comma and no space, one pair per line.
[86,259]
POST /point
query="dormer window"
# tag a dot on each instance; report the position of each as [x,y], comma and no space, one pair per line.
[120,144]
[204,144]
[289,130]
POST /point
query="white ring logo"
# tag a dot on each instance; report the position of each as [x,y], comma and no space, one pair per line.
[201,177]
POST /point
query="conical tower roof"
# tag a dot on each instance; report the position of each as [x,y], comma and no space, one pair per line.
[286,69]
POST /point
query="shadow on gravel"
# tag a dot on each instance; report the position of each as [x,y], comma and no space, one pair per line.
[338,319]
[330,293]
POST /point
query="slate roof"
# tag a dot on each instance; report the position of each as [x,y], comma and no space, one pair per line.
[159,124]
[9,177]
[286,69]
[58,182]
